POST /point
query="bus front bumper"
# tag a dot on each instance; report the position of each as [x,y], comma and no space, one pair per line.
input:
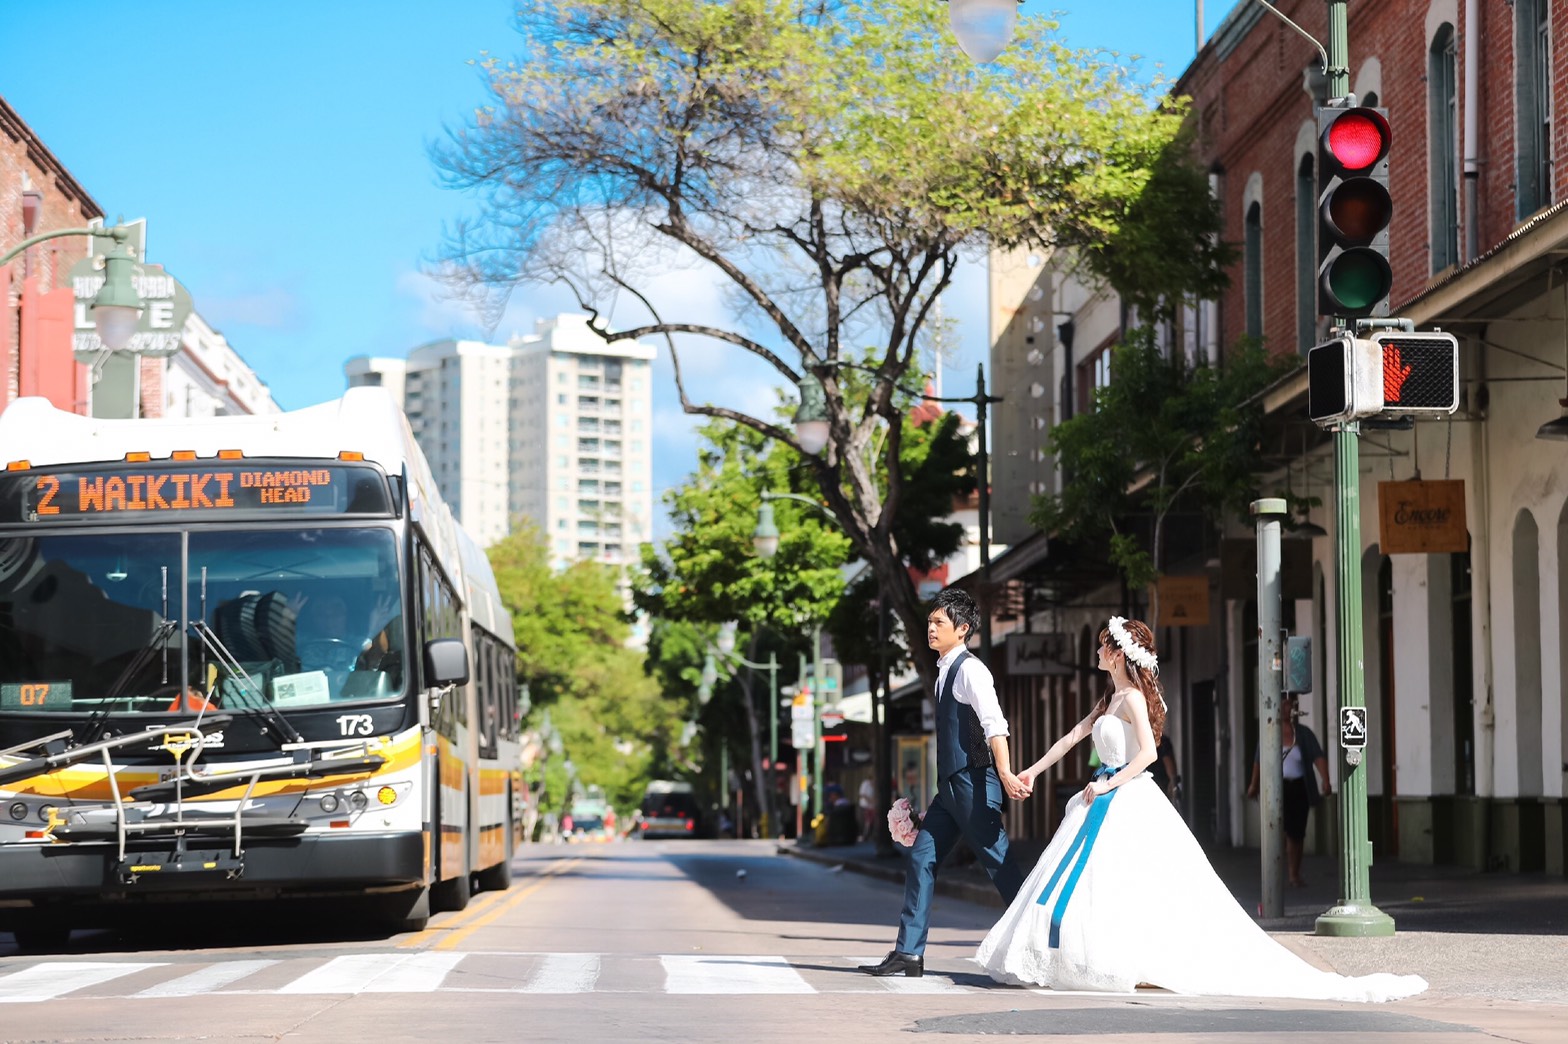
[312,864]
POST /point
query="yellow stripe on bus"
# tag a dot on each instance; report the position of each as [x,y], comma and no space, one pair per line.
[93,785]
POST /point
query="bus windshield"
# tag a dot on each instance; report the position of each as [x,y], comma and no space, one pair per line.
[97,622]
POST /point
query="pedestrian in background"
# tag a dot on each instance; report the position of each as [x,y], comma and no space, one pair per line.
[1302,754]
[867,800]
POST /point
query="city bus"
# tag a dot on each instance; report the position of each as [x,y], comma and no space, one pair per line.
[247,657]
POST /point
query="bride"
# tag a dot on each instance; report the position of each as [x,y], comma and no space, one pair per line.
[1123,895]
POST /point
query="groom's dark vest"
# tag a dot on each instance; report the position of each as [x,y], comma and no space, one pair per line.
[960,738]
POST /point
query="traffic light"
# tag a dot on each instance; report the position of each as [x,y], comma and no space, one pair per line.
[1420,372]
[1354,209]
[1389,374]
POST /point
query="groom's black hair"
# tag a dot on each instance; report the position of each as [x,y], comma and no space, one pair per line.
[959,605]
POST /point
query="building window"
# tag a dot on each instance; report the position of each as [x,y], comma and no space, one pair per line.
[1306,256]
[1094,373]
[1252,260]
[1442,99]
[1533,99]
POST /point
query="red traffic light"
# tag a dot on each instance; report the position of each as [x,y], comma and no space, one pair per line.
[1357,140]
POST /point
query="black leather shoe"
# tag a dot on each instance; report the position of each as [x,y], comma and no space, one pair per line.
[910,964]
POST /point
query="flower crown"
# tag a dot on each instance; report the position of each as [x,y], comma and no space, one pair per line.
[1141,657]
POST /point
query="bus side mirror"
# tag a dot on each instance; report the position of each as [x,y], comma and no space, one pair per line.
[446,662]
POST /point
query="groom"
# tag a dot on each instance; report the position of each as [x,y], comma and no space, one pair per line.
[972,770]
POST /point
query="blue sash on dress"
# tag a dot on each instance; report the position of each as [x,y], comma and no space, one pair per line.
[1078,854]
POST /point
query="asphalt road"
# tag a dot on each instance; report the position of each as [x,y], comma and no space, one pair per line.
[668,941]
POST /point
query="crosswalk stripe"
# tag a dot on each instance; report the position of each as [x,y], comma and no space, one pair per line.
[55,978]
[685,973]
[205,980]
[419,972]
[565,973]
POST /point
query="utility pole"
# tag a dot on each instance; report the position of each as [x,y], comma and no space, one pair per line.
[1354,914]
[1270,769]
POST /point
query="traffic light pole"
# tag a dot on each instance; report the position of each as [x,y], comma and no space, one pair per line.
[1354,914]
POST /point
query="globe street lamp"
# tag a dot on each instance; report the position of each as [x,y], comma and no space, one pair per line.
[811,418]
[117,307]
[984,27]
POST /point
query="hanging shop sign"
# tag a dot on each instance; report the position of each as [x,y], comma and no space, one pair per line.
[1422,518]
[1184,601]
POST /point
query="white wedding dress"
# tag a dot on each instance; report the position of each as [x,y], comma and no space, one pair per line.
[1143,905]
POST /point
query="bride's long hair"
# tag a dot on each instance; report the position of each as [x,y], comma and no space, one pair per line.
[1148,682]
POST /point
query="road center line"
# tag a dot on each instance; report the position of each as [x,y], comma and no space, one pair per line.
[453,938]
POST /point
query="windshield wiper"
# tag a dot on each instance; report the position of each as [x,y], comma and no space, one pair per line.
[258,707]
[94,726]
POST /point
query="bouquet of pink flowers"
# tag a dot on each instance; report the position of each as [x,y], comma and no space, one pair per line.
[902,822]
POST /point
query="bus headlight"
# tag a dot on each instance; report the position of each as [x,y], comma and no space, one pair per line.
[46,813]
[329,803]
[18,810]
[357,801]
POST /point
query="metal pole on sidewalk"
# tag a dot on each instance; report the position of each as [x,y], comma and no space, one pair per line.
[1354,914]
[817,746]
[1270,770]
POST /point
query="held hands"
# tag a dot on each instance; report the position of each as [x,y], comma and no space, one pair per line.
[1017,787]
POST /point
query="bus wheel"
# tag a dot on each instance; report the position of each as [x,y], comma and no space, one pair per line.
[401,911]
[451,894]
[497,878]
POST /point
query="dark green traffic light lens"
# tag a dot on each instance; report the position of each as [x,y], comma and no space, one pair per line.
[1357,280]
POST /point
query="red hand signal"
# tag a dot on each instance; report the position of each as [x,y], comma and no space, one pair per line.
[1395,373]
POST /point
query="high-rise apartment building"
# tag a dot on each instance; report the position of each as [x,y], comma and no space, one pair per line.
[554,427]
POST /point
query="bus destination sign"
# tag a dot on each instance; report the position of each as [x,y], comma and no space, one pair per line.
[186,488]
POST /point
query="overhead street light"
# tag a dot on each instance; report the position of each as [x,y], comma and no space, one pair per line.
[117,307]
[984,27]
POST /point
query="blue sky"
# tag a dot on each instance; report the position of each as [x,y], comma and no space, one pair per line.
[280,155]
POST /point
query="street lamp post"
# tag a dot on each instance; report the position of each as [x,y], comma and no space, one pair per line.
[117,306]
[765,539]
[811,431]
[726,649]
[980,399]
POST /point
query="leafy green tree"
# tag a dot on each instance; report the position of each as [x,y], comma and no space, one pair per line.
[571,629]
[1164,434]
[707,573]
[829,162]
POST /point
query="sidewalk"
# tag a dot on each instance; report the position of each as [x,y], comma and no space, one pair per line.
[1418,897]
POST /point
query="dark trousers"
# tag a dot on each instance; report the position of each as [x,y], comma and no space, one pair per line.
[968,804]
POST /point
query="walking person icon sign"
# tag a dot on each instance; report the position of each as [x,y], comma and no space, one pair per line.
[1353,732]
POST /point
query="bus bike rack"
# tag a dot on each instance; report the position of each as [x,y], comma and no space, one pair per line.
[341,756]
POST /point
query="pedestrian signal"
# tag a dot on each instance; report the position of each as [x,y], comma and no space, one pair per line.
[1390,374]
[1354,211]
[1420,372]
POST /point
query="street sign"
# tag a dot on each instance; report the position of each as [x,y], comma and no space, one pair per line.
[1353,727]
[162,323]
[802,720]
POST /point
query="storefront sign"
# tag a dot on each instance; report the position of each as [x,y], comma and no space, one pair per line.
[1038,654]
[1184,601]
[1422,518]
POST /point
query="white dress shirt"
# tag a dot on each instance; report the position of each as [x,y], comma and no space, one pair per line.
[973,687]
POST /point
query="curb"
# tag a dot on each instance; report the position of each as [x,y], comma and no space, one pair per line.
[985,895]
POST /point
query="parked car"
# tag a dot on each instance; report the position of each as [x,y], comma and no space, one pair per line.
[669,809]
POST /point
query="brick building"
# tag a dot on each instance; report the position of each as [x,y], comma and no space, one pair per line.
[37,194]
[1465,653]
